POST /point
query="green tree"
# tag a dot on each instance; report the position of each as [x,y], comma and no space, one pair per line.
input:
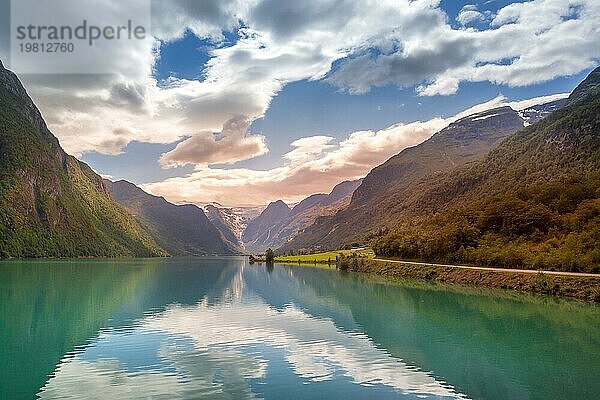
[269,255]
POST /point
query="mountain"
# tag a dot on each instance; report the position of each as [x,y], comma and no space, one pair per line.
[179,229]
[341,192]
[590,85]
[308,210]
[232,221]
[228,223]
[463,141]
[532,202]
[259,230]
[51,204]
[275,230]
[535,113]
[277,223]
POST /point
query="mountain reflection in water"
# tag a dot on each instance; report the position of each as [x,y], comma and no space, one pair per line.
[219,328]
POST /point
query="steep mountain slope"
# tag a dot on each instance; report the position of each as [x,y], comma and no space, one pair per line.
[341,192]
[52,205]
[308,210]
[259,231]
[463,141]
[179,229]
[228,223]
[232,221]
[275,231]
[533,202]
[589,86]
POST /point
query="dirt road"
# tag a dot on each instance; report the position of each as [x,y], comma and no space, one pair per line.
[525,271]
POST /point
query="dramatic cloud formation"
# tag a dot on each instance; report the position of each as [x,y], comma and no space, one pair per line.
[375,43]
[308,148]
[304,172]
[530,42]
[353,44]
[315,164]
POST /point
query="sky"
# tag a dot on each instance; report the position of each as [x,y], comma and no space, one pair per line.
[246,102]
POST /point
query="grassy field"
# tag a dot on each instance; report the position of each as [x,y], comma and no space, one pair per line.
[324,257]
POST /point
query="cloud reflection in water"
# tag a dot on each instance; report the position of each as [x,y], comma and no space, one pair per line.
[228,350]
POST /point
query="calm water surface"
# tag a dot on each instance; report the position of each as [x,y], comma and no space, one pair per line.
[218,328]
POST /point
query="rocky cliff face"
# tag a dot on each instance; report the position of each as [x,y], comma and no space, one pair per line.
[536,113]
[228,223]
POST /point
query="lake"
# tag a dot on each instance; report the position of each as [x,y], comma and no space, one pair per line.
[219,328]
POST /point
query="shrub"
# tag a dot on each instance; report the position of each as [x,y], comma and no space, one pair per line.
[269,256]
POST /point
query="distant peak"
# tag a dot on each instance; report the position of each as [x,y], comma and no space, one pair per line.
[276,208]
[492,112]
[125,188]
[590,83]
[278,204]
[124,183]
[345,188]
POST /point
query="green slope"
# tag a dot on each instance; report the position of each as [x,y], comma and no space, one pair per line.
[533,202]
[52,205]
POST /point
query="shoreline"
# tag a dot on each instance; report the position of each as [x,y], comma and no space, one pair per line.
[475,268]
[577,286]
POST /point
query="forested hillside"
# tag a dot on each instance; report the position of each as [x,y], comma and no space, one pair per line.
[384,189]
[532,202]
[52,205]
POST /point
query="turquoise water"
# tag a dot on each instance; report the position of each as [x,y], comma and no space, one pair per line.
[218,328]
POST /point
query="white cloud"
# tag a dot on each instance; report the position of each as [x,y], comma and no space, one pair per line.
[400,42]
[469,13]
[287,42]
[531,42]
[523,104]
[206,18]
[308,148]
[233,144]
[234,340]
[440,86]
[314,165]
